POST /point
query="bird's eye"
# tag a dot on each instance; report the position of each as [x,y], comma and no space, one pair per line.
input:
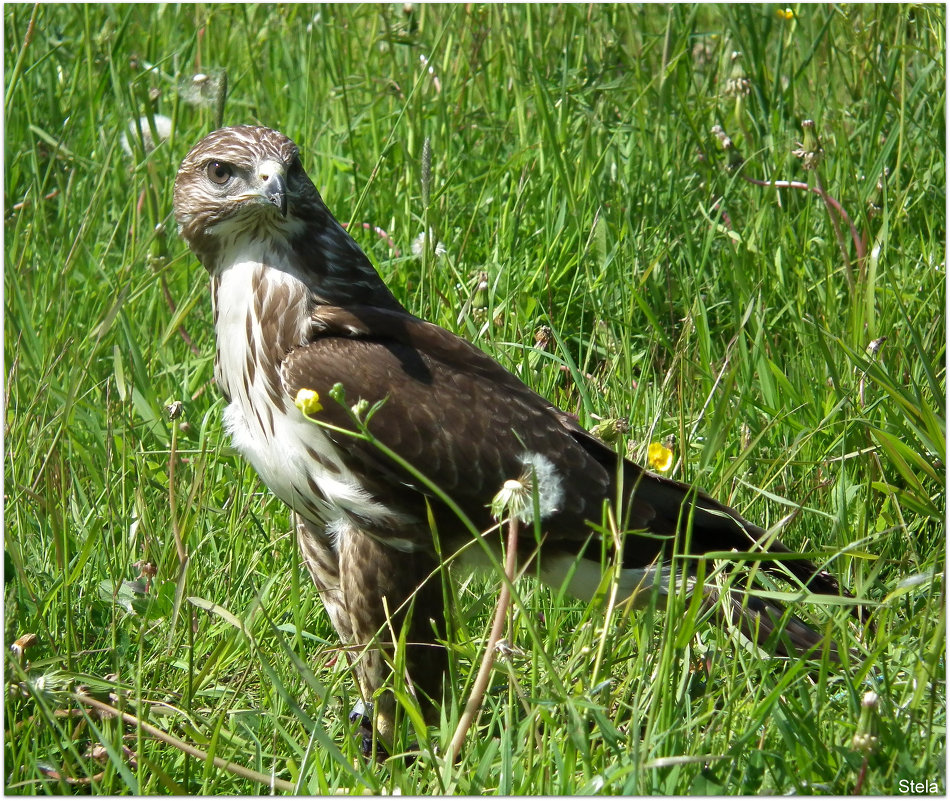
[219,172]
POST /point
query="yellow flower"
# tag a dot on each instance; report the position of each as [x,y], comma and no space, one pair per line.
[659,457]
[308,401]
[785,13]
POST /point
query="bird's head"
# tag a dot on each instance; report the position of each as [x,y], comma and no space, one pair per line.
[242,193]
[244,180]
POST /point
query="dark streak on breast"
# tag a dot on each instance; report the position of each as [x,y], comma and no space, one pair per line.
[322,460]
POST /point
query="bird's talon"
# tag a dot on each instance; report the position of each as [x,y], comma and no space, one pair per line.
[362,712]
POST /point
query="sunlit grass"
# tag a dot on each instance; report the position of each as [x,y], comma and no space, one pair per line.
[628,274]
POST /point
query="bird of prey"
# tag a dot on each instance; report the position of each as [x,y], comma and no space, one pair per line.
[298,306]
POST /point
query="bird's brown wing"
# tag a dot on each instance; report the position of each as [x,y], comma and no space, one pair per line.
[467,424]
[448,409]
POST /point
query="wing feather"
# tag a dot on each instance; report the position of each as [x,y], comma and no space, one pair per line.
[468,424]
[448,409]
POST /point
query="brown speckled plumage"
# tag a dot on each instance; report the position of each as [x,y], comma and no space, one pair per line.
[297,305]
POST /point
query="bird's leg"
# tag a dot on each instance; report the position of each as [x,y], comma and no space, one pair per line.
[323,564]
[384,590]
[362,714]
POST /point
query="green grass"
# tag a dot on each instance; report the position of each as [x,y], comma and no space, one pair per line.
[572,162]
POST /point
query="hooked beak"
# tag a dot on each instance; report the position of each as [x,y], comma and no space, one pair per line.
[274,189]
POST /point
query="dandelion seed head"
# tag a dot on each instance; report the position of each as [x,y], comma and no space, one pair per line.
[163,127]
[419,244]
[516,496]
[202,88]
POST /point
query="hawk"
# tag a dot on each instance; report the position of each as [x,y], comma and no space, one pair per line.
[298,306]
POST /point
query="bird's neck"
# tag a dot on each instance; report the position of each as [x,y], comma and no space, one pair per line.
[267,282]
[260,313]
[317,251]
[335,268]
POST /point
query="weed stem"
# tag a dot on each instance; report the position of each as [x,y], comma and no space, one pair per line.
[484,671]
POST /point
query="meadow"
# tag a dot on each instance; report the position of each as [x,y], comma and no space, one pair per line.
[720,228]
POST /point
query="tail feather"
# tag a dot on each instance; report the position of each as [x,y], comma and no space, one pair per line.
[769,625]
[762,621]
[665,506]
[668,518]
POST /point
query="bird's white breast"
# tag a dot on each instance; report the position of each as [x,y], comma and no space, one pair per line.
[264,424]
